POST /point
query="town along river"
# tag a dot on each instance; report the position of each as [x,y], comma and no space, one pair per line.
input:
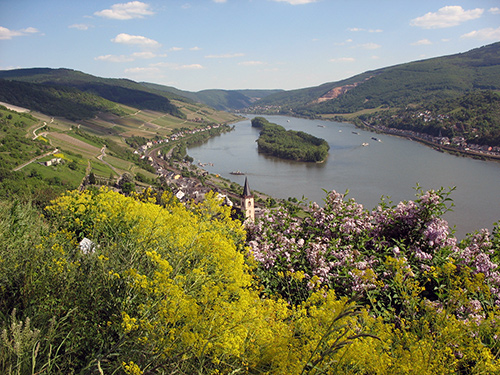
[390,167]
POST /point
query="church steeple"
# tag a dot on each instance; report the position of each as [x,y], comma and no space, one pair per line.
[246,189]
[247,202]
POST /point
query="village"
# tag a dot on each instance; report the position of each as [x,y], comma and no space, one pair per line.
[190,182]
[457,143]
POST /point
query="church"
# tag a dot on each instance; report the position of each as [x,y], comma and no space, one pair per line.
[247,203]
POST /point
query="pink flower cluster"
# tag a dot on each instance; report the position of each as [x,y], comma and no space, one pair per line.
[345,246]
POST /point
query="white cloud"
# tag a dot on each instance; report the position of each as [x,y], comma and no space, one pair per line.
[125,58]
[149,70]
[422,42]
[251,63]
[9,34]
[343,59]
[190,67]
[29,30]
[114,58]
[357,29]
[494,10]
[135,39]
[80,26]
[369,45]
[144,55]
[225,56]
[195,48]
[126,11]
[447,16]
[175,66]
[220,1]
[343,43]
[296,2]
[175,49]
[484,34]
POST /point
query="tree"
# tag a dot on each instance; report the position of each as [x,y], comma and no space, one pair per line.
[92,179]
[73,165]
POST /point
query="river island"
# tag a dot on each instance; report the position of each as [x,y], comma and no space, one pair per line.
[275,140]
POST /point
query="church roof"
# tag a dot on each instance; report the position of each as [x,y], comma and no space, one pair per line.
[246,189]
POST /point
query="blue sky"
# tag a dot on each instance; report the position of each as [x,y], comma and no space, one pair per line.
[238,44]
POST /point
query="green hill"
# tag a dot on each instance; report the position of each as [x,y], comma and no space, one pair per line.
[411,83]
[58,101]
[121,91]
[222,100]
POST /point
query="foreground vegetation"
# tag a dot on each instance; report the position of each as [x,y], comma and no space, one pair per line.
[289,144]
[103,283]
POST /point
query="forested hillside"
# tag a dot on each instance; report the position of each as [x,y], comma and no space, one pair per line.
[58,101]
[116,90]
[411,83]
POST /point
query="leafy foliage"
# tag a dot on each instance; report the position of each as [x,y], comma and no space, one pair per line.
[156,288]
[289,144]
[104,283]
[402,261]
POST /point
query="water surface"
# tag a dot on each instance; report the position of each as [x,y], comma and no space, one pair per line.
[391,167]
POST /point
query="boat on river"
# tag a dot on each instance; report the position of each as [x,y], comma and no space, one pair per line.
[237,173]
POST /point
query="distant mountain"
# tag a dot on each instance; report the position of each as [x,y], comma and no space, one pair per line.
[121,91]
[397,86]
[411,83]
[223,100]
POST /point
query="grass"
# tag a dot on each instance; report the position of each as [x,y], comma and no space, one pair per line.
[73,177]
[101,169]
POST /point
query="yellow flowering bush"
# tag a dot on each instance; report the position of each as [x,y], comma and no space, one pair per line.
[146,285]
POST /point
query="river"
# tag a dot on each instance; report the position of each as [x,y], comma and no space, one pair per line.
[392,166]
